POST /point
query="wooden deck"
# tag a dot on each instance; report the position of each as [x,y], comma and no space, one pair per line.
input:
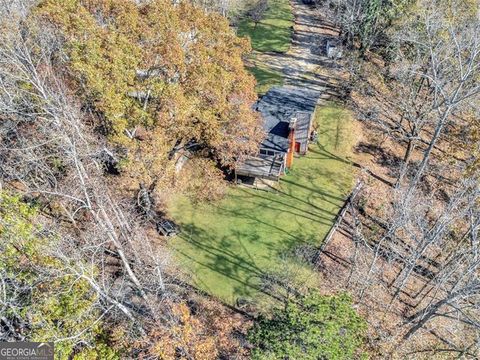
[263,166]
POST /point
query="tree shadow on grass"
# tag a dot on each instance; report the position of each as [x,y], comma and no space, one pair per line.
[248,234]
[316,214]
[268,37]
[342,161]
[243,257]
[230,257]
[325,196]
[327,155]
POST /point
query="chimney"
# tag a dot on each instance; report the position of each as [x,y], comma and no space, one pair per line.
[291,140]
[292,124]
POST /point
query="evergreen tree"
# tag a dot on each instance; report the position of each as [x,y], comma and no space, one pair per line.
[313,327]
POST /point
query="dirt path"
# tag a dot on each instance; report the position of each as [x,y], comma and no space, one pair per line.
[309,76]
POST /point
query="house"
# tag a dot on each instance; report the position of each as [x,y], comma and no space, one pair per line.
[287,114]
[284,139]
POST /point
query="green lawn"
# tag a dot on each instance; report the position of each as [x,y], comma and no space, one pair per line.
[274,32]
[229,245]
[266,78]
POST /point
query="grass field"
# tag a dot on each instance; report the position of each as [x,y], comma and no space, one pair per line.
[274,31]
[266,78]
[229,245]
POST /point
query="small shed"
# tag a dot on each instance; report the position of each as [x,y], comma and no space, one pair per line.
[167,227]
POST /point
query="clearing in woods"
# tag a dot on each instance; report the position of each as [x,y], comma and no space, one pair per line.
[231,245]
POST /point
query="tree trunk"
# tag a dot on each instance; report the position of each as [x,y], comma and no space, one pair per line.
[406,161]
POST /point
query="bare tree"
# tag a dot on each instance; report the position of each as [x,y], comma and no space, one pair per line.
[46,146]
[454,293]
[258,11]
[450,70]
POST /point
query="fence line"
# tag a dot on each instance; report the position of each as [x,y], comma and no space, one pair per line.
[338,219]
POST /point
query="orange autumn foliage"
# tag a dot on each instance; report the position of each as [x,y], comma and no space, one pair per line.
[174,71]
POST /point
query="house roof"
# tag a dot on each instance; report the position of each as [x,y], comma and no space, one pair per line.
[277,136]
[302,129]
[278,107]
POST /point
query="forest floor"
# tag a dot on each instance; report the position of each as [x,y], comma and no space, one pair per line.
[232,247]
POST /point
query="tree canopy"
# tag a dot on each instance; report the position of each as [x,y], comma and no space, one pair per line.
[172,70]
[314,327]
[42,300]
